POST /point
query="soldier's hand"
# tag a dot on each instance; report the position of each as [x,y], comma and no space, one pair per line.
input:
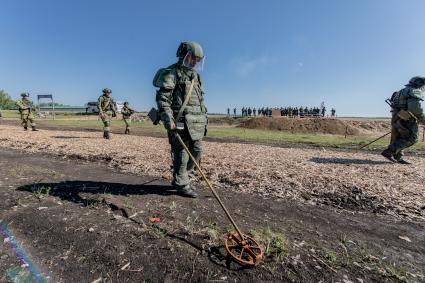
[173,126]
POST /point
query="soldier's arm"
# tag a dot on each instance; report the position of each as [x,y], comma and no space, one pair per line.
[114,108]
[414,106]
[203,107]
[164,98]
[99,105]
[19,105]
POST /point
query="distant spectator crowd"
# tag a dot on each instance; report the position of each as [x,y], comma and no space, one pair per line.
[283,111]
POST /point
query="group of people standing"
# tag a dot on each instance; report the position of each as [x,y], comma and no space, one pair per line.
[284,111]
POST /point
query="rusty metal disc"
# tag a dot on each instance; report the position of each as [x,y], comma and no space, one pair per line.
[246,251]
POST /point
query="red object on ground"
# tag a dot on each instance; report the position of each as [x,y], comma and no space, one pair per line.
[154,219]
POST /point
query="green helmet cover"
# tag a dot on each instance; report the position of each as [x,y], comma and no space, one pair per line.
[190,46]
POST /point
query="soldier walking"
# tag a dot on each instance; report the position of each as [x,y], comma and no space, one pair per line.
[180,99]
[126,116]
[26,110]
[234,111]
[407,113]
[107,110]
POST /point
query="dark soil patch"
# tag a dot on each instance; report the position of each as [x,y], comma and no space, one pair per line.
[82,222]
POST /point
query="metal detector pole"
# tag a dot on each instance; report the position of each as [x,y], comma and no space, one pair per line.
[376,140]
[209,185]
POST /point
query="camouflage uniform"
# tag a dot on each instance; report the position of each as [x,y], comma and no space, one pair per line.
[406,114]
[25,107]
[106,107]
[126,116]
[174,84]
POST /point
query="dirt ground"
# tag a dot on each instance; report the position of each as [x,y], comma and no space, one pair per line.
[71,215]
[319,125]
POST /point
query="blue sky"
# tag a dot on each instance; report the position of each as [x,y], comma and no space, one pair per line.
[352,54]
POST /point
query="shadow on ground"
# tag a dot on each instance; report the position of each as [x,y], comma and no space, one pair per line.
[325,160]
[70,190]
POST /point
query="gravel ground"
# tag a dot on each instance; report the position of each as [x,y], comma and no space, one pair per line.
[347,180]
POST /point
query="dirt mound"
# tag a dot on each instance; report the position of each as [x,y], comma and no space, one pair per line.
[317,125]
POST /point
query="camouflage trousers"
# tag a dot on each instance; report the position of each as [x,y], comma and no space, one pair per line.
[27,116]
[404,134]
[182,164]
[106,119]
[127,122]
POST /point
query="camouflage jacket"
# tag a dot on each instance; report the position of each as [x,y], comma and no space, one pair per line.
[24,105]
[105,104]
[174,84]
[409,99]
[126,112]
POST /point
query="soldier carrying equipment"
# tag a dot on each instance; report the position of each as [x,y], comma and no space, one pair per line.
[180,100]
[126,116]
[406,114]
[25,109]
[106,107]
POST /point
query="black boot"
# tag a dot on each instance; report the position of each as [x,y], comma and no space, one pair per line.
[106,135]
[25,128]
[187,191]
[388,155]
[128,131]
[34,129]
[402,161]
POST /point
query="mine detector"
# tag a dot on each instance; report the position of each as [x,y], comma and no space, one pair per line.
[241,248]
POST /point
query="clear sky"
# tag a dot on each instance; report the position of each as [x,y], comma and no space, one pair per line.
[352,54]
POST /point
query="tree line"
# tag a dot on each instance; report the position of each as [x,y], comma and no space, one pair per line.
[6,102]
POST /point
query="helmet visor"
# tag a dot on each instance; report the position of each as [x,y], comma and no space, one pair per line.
[194,62]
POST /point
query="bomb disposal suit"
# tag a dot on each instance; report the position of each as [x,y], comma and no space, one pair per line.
[407,113]
[177,83]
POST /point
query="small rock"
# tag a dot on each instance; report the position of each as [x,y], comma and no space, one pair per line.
[42,207]
[318,267]
[360,280]
[405,238]
[4,256]
[91,229]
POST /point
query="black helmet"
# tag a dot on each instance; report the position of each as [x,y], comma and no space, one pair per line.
[417,81]
[25,94]
[126,103]
[106,90]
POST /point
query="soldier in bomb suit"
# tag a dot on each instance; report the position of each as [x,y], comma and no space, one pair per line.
[107,110]
[178,84]
[25,107]
[407,113]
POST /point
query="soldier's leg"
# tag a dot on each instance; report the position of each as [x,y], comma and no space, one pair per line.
[106,126]
[196,150]
[127,126]
[24,121]
[405,141]
[180,160]
[31,118]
